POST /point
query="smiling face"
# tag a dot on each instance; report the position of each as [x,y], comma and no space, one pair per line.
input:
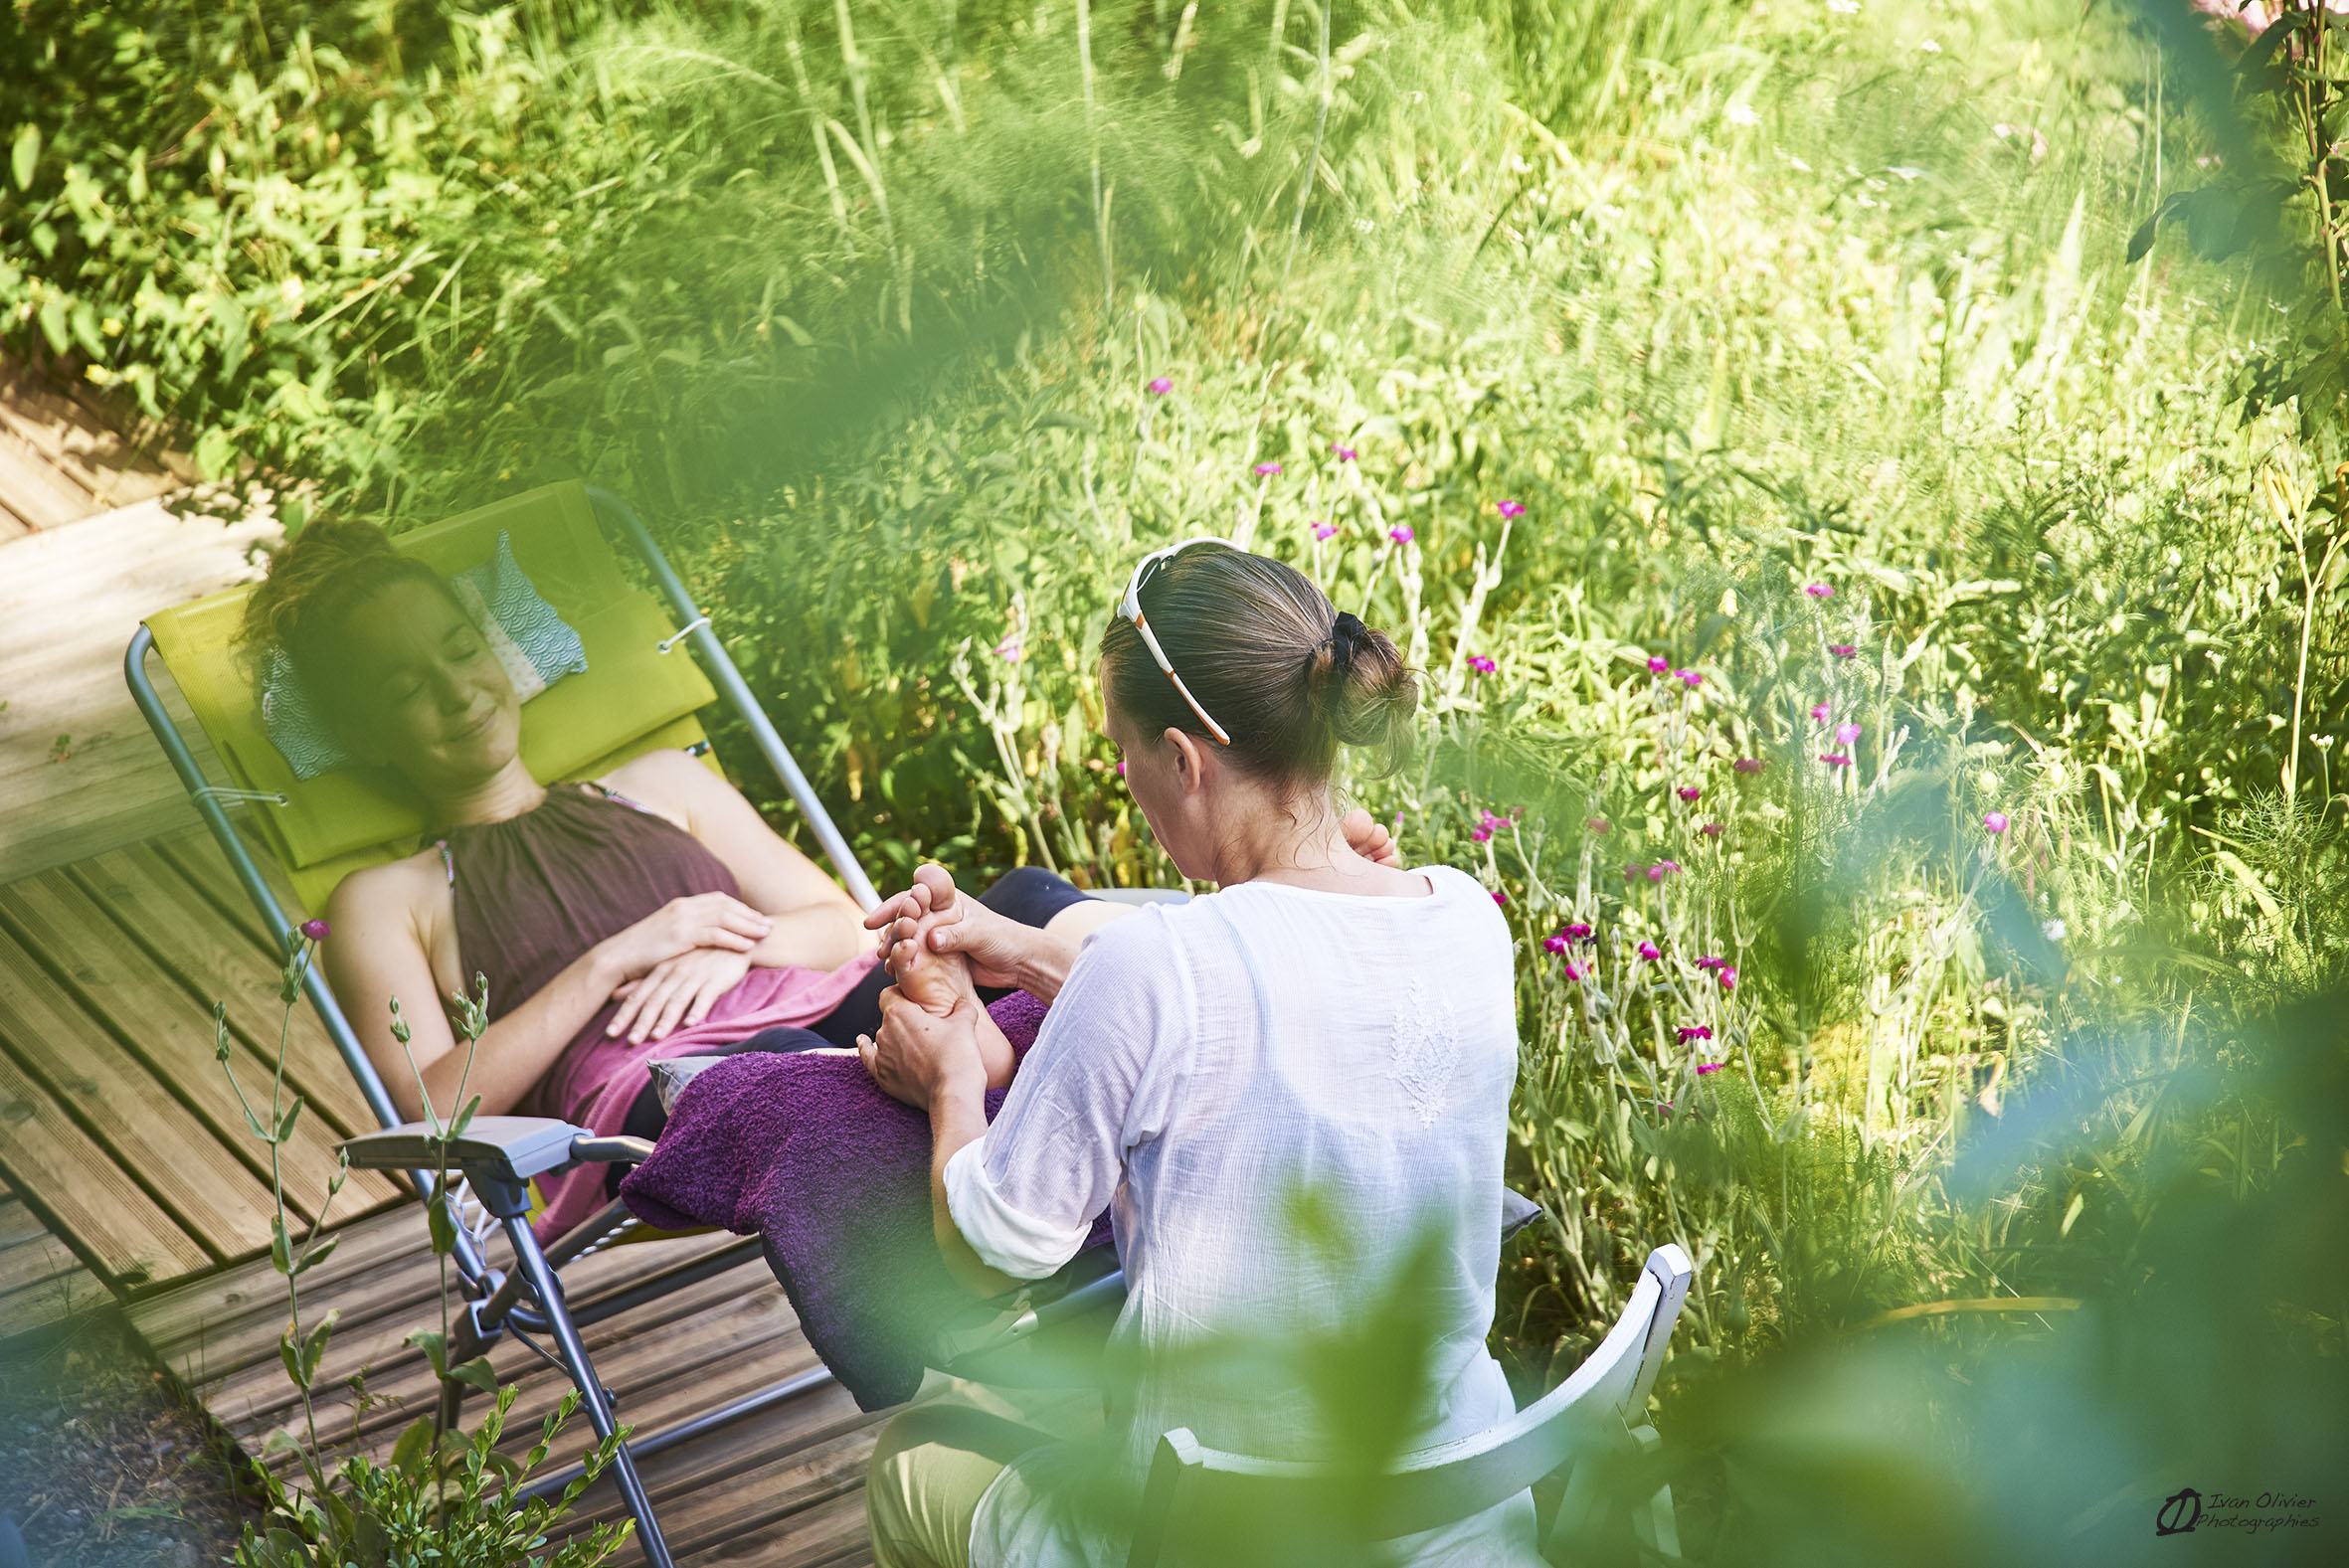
[418,690]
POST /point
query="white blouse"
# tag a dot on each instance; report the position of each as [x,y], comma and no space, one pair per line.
[1217,1073]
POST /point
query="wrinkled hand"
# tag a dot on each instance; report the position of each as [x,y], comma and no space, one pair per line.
[921,1056]
[1368,837]
[675,992]
[948,922]
[682,925]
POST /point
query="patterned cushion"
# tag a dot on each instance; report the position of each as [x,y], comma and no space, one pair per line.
[536,646]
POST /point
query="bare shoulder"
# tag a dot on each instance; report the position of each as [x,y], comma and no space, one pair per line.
[672,781]
[405,884]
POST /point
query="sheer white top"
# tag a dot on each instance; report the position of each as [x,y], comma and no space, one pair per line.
[1293,1101]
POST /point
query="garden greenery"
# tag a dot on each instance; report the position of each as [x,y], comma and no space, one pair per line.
[1881,594]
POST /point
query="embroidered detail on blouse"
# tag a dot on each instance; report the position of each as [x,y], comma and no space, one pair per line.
[1426,1051]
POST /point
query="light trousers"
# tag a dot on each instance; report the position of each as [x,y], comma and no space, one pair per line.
[935,1462]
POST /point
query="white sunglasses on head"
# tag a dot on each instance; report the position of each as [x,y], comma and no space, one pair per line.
[1130,607]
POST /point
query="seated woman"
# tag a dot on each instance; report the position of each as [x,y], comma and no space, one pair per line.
[1324,1026]
[646,914]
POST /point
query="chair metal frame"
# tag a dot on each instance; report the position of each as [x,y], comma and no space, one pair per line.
[1455,1481]
[530,1301]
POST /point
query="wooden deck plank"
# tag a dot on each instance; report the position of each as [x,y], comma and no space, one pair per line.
[783,1489]
[70,600]
[85,1195]
[199,859]
[190,1172]
[212,960]
[41,1283]
[170,1035]
[36,490]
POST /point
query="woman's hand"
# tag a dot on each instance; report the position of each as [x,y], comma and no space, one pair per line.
[923,1058]
[995,947]
[675,992]
[1368,837]
[682,925]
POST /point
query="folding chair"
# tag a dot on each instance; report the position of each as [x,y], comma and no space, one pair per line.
[1453,1480]
[634,696]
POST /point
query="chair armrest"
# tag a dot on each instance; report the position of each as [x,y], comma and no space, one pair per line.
[502,1149]
[992,1340]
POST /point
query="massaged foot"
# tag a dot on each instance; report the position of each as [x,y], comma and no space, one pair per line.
[940,982]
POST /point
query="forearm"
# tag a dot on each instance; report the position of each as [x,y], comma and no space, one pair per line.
[1044,960]
[516,1051]
[958,1118]
[814,937]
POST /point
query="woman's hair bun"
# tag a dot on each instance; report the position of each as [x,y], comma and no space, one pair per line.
[1372,701]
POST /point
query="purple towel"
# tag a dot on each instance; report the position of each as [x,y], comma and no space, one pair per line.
[834,1176]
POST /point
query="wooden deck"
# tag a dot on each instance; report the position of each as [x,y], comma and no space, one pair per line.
[783,1489]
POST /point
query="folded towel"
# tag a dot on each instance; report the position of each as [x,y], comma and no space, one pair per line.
[804,1150]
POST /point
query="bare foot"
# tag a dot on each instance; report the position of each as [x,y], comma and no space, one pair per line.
[933,981]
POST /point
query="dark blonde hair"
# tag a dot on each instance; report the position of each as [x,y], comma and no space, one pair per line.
[1289,678]
[315,581]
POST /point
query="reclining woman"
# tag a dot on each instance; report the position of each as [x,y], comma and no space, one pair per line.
[648,913]
[1327,1025]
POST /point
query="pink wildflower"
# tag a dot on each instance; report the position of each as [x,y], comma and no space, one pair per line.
[1266,470]
[1694,1031]
[1658,663]
[1821,713]
[1500,896]
[1689,793]
[1599,824]
[1631,873]
[1995,821]
[1843,651]
[1401,533]
[1662,869]
[1711,830]
[1706,960]
[1554,944]
[1344,453]
[1847,732]
[1575,971]
[1650,952]
[1690,678]
[1480,664]
[1749,765]
[1835,758]
[1729,979]
[1574,931]
[1159,386]
[315,929]
[1820,591]
[1323,530]
[1121,767]
[1009,649]
[1707,1067]
[1511,508]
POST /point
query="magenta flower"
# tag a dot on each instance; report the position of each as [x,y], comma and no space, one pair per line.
[1480,664]
[1576,931]
[1554,944]
[1820,591]
[1345,453]
[1266,470]
[1711,830]
[1323,530]
[1632,873]
[1847,732]
[1689,793]
[1821,713]
[1401,533]
[1159,386]
[1658,663]
[1729,979]
[1690,678]
[315,929]
[1749,765]
[1706,1067]
[1835,758]
[1511,508]
[1694,1031]
[1650,953]
[1121,767]
[1843,651]
[1575,971]
[1662,869]
[1599,824]
[1009,649]
[1500,896]
[1995,821]
[1487,824]
[1706,960]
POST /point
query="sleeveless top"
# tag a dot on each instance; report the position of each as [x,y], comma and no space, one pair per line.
[536,891]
